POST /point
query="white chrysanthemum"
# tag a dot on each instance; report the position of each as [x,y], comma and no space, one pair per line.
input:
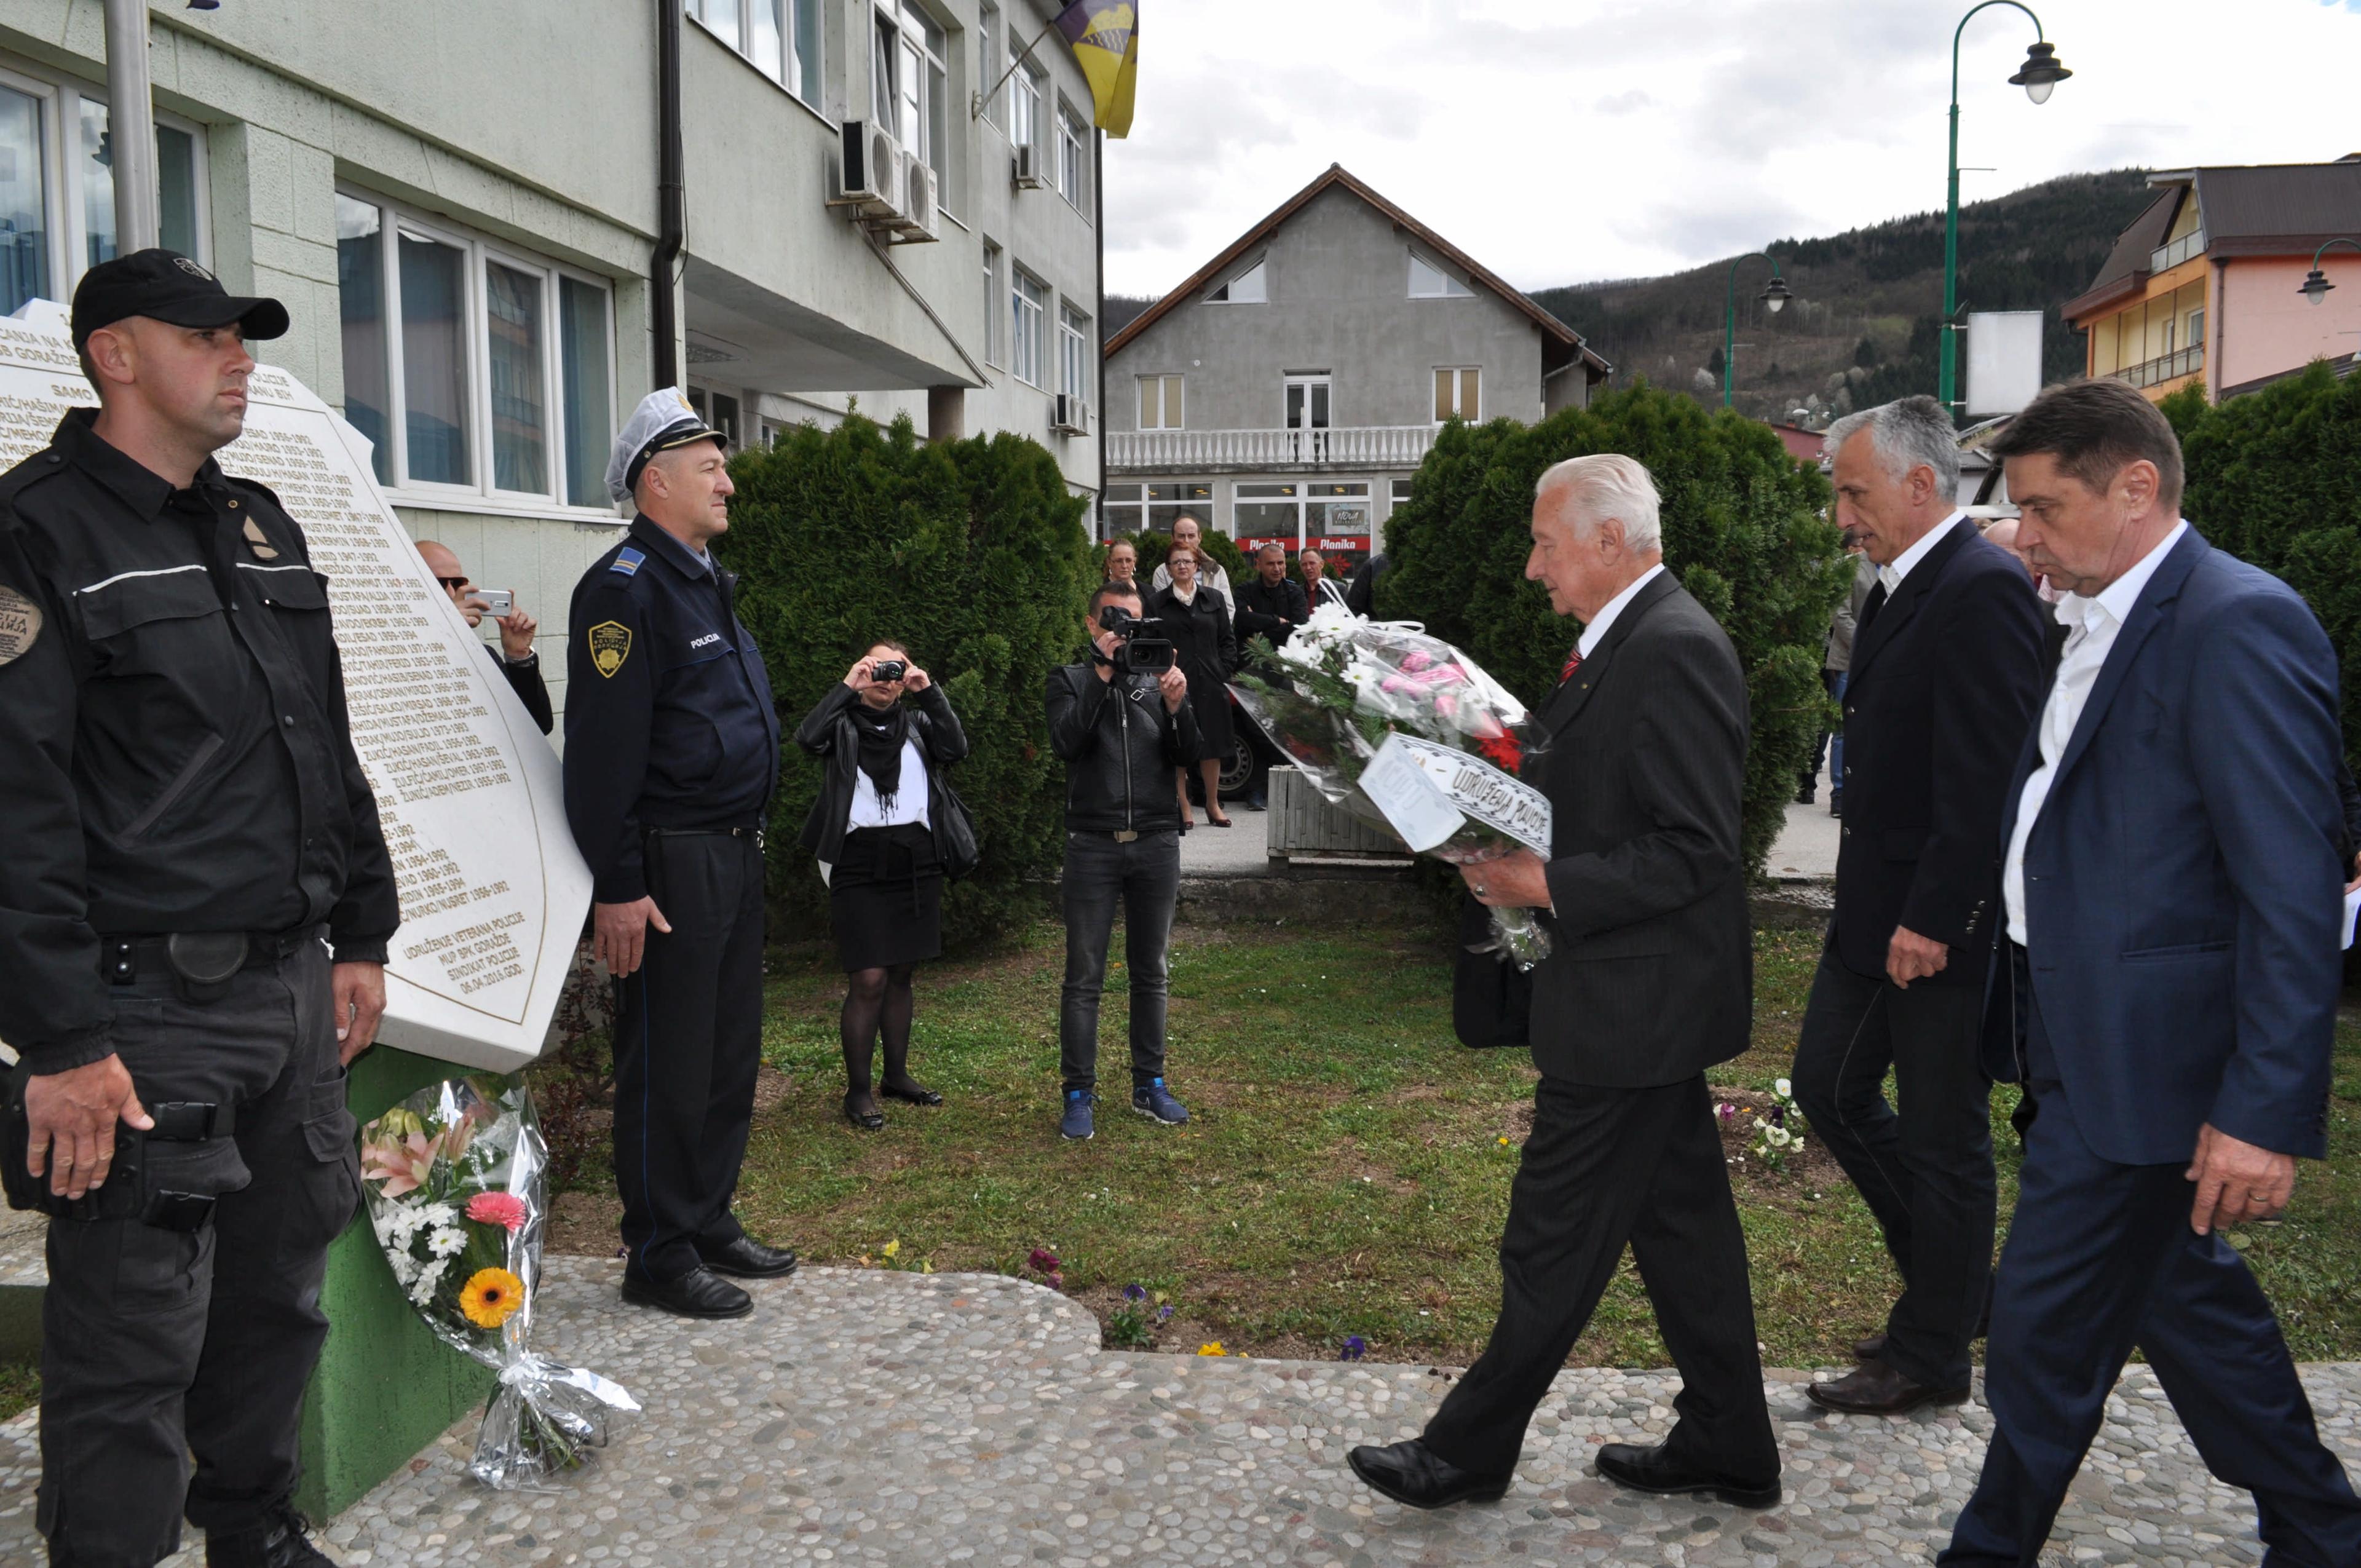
[438,1214]
[447,1241]
[405,1267]
[423,1290]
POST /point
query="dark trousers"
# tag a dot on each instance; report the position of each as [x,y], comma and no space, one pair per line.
[156,1343]
[1926,1168]
[1145,874]
[1603,1168]
[2100,1258]
[687,1043]
[1830,742]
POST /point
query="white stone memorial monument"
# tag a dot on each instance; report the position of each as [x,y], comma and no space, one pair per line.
[493,891]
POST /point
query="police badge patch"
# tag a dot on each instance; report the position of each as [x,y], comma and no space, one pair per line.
[610,644]
[20,622]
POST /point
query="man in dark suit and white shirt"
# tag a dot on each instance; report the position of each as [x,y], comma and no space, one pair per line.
[1946,674]
[2171,884]
[1641,750]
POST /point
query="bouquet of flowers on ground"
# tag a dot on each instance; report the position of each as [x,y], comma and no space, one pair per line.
[455,1177]
[1404,728]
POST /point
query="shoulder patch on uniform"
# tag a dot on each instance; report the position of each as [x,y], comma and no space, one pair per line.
[610,644]
[20,622]
[627,561]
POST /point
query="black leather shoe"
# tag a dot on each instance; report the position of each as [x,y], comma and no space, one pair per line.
[870,1121]
[279,1542]
[747,1260]
[1410,1473]
[1873,1388]
[1652,1470]
[912,1093]
[1870,1348]
[699,1293]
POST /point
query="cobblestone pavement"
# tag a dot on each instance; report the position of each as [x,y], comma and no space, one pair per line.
[872,1418]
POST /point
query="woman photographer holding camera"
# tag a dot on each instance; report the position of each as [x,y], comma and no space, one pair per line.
[1199,618]
[879,831]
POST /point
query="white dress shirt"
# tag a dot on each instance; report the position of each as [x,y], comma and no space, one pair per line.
[1613,607]
[2091,625]
[1210,574]
[1894,571]
[909,797]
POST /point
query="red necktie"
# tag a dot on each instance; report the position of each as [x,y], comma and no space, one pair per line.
[1573,663]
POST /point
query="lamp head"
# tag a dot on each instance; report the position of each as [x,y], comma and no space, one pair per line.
[1776,296]
[2315,285]
[2040,72]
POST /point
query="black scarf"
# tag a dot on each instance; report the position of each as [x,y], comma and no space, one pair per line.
[881,735]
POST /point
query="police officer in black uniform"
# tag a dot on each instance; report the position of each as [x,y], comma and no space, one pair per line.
[183,824]
[672,754]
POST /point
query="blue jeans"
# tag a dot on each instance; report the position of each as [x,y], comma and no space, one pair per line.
[1145,875]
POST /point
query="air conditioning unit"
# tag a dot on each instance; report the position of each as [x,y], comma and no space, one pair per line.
[1069,415]
[873,175]
[1025,170]
[922,211]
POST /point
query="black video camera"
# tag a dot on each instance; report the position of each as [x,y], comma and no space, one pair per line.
[1143,645]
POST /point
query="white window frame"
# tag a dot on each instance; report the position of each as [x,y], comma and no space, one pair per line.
[1460,378]
[1453,289]
[790,58]
[991,29]
[996,304]
[1027,93]
[1027,318]
[482,494]
[1223,293]
[65,211]
[914,99]
[1073,159]
[1074,356]
[1309,381]
[1171,389]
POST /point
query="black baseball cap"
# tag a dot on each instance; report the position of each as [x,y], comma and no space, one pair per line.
[166,286]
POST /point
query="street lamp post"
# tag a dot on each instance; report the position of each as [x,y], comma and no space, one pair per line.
[1774,296]
[2315,284]
[2038,75]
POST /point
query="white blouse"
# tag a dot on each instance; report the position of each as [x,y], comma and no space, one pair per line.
[909,799]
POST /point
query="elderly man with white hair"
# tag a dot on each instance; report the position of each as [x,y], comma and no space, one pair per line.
[1947,673]
[1641,752]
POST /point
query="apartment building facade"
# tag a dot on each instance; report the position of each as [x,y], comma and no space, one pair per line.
[2206,284]
[458,203]
[1290,388]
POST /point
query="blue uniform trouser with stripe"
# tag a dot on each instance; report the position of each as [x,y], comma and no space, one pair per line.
[687,1045]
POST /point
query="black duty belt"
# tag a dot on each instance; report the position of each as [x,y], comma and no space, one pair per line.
[201,962]
[754,832]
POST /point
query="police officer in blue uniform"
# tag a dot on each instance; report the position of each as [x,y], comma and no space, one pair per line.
[672,754]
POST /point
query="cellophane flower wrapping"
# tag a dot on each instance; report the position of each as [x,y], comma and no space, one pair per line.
[457,1179]
[1344,683]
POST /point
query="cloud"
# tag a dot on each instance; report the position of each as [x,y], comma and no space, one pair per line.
[1591,138]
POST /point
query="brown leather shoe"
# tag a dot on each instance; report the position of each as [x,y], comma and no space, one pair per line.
[1873,1388]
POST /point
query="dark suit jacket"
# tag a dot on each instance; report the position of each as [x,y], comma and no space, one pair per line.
[1945,681]
[1642,755]
[2183,884]
[525,681]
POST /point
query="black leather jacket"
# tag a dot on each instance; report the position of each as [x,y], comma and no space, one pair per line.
[826,731]
[1120,746]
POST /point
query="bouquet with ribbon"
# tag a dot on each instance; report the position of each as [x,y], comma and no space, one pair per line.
[1405,729]
[456,1178]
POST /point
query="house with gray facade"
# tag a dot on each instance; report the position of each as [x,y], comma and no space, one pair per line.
[1290,388]
[460,205]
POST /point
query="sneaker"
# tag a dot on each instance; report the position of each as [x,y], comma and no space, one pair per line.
[1836,803]
[280,1541]
[1153,1099]
[1076,1123]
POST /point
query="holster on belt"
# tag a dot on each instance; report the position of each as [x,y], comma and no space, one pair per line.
[128,1194]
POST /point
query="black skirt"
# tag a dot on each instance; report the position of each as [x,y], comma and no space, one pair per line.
[886,897]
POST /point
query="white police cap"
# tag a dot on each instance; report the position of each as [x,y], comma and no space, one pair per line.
[663,421]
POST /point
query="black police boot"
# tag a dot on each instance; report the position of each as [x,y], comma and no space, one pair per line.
[699,1293]
[747,1260]
[280,1540]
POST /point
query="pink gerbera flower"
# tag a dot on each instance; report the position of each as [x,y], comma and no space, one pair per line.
[503,1209]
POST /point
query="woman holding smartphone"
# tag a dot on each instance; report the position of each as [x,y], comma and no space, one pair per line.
[878,831]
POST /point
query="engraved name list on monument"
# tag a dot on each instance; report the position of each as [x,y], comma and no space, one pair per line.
[492,889]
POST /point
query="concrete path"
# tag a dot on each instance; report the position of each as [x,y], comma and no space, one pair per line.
[871,1418]
[1806,850]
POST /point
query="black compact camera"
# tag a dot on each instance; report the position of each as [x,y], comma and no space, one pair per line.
[1143,643]
[888,670]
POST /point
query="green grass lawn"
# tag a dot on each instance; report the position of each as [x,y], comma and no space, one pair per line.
[1345,1170]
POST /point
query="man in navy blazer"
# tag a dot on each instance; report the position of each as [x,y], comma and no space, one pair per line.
[1947,674]
[2171,883]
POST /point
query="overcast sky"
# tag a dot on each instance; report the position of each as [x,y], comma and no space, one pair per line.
[1561,141]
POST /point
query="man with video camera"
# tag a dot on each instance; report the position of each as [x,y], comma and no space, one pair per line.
[1120,721]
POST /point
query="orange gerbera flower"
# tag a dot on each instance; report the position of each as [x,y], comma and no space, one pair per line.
[491,1297]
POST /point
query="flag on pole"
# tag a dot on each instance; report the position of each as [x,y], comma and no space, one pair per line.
[1105,38]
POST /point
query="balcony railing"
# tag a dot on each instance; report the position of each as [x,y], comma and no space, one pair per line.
[2164,368]
[2164,258]
[1207,451]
